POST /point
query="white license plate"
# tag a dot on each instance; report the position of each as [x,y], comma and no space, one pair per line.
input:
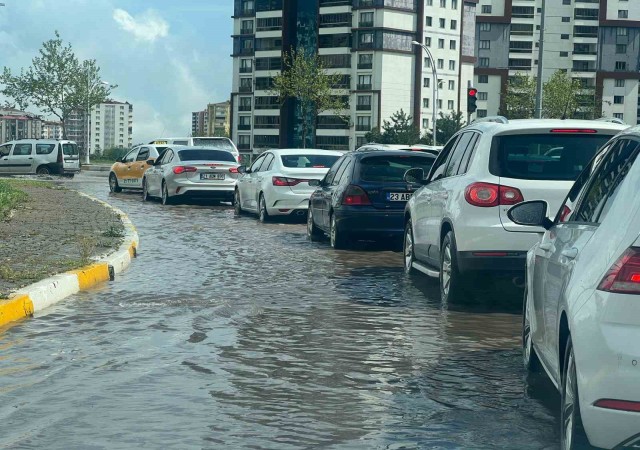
[398,196]
[212,176]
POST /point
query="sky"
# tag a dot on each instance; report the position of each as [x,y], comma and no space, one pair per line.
[168,57]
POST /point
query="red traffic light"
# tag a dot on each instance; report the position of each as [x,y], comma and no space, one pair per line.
[472,92]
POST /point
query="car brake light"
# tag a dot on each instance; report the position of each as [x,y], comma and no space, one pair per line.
[621,405]
[284,181]
[486,195]
[624,276]
[573,130]
[355,196]
[182,169]
[564,215]
[233,169]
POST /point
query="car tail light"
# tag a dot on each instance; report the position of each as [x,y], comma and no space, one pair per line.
[284,181]
[564,215]
[486,195]
[621,405]
[182,169]
[233,170]
[355,196]
[624,276]
[573,130]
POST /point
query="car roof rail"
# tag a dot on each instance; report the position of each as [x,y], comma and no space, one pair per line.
[612,120]
[496,119]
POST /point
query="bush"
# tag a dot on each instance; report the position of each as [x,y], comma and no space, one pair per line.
[113,154]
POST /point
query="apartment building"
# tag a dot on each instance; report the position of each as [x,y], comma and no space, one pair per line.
[111,126]
[595,41]
[51,130]
[200,123]
[219,118]
[367,42]
[16,124]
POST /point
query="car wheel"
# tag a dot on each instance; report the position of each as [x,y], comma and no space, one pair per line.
[113,183]
[529,356]
[263,215]
[337,238]
[451,282]
[166,200]
[237,206]
[43,170]
[313,232]
[572,435]
[408,248]
[145,190]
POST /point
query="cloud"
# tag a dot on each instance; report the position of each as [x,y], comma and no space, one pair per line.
[148,26]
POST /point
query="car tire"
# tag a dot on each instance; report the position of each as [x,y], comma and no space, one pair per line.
[166,199]
[408,248]
[237,206]
[145,190]
[529,355]
[336,237]
[572,434]
[113,183]
[451,281]
[313,232]
[263,214]
[43,170]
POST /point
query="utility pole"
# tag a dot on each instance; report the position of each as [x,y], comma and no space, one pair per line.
[540,65]
[434,72]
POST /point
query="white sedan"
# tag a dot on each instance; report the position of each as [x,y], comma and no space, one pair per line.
[277,183]
[581,318]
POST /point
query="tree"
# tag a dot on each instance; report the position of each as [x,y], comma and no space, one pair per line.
[56,82]
[519,101]
[561,96]
[400,129]
[449,125]
[305,81]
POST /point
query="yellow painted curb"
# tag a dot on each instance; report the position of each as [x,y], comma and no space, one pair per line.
[15,309]
[92,275]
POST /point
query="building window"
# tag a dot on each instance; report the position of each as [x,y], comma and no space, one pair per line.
[618,99]
[484,62]
[450,105]
[452,44]
[483,96]
[483,79]
[621,65]
[481,113]
[564,54]
[440,43]
[427,41]
[485,45]
[486,9]
[442,23]
[618,116]
[363,123]
[566,2]
[427,82]
[364,82]
[427,63]
[440,63]
[443,3]
[454,24]
[566,19]
[621,31]
[620,83]
[621,48]
[365,61]
[429,21]
[425,123]
[564,36]
[363,103]
[245,104]
[360,141]
[452,64]
[623,14]
[425,102]
[454,4]
[246,65]
[429,2]
[439,104]
[452,85]
[244,141]
[366,19]
[485,27]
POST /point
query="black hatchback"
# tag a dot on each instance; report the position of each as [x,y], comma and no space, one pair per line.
[363,196]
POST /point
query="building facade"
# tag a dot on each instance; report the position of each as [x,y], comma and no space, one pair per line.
[200,123]
[367,42]
[16,124]
[595,41]
[111,126]
[51,130]
[219,118]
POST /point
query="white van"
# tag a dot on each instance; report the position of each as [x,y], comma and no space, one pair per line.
[39,156]
[221,143]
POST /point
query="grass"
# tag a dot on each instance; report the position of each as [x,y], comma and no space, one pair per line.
[114,232]
[10,198]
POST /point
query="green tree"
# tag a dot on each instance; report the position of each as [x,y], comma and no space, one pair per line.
[519,100]
[304,79]
[56,82]
[561,96]
[400,129]
[449,125]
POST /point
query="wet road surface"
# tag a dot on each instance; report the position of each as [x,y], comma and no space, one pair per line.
[226,333]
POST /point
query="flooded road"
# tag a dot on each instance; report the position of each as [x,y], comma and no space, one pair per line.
[226,333]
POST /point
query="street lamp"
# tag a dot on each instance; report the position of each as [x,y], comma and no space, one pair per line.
[88,133]
[435,88]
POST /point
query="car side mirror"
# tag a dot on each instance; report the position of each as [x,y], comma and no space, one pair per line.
[314,183]
[414,176]
[532,213]
[151,162]
[242,169]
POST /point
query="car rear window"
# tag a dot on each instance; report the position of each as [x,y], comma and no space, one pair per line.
[205,155]
[309,161]
[213,143]
[70,149]
[392,167]
[561,156]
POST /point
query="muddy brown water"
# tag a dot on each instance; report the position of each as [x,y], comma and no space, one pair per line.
[226,333]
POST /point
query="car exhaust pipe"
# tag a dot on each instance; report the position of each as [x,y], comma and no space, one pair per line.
[519,282]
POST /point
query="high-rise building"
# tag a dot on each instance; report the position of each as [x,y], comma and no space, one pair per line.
[16,124]
[111,126]
[200,123]
[368,43]
[51,130]
[594,41]
[219,118]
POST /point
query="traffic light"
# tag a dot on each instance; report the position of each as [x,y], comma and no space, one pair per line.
[472,97]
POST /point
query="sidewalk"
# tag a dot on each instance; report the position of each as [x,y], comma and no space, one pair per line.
[54,231]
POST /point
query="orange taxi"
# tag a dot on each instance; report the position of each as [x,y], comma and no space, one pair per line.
[127,173]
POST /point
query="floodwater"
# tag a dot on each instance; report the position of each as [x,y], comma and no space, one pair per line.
[226,333]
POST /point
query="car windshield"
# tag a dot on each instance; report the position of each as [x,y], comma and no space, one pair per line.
[213,143]
[560,156]
[393,167]
[205,155]
[70,149]
[309,161]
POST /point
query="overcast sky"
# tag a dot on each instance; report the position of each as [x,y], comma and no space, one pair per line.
[168,57]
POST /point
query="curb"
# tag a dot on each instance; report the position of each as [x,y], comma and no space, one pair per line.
[38,296]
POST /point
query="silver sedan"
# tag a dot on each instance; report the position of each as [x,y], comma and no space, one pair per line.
[191,172]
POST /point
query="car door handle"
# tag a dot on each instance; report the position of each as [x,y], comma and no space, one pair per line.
[29,158]
[546,247]
[570,253]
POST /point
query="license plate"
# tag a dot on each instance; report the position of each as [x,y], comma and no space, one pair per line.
[212,176]
[398,196]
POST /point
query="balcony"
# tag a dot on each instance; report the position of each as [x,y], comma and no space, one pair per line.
[365,45]
[368,24]
[363,107]
[246,89]
[363,127]
[245,52]
[245,31]
[365,65]
[244,108]
[246,12]
[364,87]
[244,127]
[244,146]
[246,69]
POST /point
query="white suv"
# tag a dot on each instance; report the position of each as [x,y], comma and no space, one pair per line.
[457,223]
